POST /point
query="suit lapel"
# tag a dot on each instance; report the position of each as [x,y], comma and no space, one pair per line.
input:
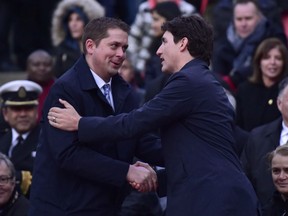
[28,146]
[120,91]
[273,133]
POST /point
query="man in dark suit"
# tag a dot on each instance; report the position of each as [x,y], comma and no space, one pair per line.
[71,177]
[262,140]
[196,121]
[20,104]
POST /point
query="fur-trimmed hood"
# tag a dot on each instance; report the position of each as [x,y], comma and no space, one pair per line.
[91,8]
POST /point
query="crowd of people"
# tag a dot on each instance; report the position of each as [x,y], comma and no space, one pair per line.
[152,111]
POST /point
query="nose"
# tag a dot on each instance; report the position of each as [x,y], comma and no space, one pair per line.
[22,112]
[283,175]
[42,67]
[159,51]
[120,52]
[272,60]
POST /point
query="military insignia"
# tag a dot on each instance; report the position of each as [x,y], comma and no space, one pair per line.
[270,102]
[22,92]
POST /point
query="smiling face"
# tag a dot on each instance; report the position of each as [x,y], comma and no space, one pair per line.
[22,118]
[246,18]
[168,54]
[279,168]
[272,65]
[6,189]
[108,56]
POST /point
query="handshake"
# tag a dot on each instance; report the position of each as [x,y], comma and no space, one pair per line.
[142,177]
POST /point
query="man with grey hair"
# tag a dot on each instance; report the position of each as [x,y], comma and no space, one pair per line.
[11,202]
[263,140]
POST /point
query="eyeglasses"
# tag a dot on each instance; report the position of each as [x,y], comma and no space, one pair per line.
[5,179]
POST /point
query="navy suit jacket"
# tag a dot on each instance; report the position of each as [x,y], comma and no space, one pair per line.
[196,120]
[85,178]
[262,140]
[23,160]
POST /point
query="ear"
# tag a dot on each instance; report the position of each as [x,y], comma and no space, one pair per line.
[183,43]
[90,46]
[4,113]
[279,104]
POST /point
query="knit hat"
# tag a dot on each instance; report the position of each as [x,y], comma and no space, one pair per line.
[169,10]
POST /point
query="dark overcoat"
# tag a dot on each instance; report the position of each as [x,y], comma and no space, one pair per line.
[262,140]
[196,119]
[24,158]
[85,178]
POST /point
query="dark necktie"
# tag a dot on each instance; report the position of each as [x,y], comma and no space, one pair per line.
[106,89]
[16,149]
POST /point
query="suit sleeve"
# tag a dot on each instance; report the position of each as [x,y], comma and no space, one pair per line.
[76,157]
[171,104]
[149,149]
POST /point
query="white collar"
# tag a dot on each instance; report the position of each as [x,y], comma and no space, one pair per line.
[99,81]
[15,135]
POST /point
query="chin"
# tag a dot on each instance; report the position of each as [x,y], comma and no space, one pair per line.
[113,72]
[164,69]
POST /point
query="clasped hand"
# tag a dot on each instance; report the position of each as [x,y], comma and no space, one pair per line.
[65,118]
[142,177]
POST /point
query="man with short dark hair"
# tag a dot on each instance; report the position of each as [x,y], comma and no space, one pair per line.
[204,174]
[79,178]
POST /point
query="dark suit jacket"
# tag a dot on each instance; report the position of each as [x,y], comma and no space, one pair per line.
[196,120]
[15,207]
[262,140]
[24,159]
[82,178]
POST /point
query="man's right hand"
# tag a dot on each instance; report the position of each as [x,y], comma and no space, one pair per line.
[142,177]
[64,118]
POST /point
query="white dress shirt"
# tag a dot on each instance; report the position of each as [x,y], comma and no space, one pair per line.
[284,134]
[100,83]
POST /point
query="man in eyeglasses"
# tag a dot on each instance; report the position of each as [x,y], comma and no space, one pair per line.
[11,202]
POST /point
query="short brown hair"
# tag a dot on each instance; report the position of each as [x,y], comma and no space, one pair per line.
[97,29]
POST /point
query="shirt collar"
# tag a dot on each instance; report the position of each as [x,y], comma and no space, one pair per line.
[15,135]
[99,81]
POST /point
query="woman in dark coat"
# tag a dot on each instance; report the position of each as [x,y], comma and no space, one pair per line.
[278,160]
[257,98]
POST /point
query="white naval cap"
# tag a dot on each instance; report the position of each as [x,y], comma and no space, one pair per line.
[20,93]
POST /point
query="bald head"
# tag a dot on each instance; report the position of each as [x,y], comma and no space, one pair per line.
[39,66]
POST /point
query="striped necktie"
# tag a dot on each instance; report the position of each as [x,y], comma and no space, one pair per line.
[106,89]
